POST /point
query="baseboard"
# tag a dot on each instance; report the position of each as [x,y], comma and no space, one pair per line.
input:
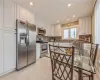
[7,72]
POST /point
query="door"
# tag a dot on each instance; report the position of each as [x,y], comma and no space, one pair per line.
[31,43]
[9,48]
[21,44]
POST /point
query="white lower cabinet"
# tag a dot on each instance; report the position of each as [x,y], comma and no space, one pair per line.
[1,52]
[7,51]
[38,48]
[1,7]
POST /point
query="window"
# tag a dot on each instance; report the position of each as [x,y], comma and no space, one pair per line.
[69,33]
[66,33]
[73,33]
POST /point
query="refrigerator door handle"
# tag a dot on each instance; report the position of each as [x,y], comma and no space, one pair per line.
[27,40]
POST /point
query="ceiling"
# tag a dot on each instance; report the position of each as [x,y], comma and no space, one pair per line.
[58,10]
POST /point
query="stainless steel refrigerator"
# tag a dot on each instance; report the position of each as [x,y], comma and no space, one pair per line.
[25,44]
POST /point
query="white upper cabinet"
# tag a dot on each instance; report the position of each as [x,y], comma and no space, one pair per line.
[1,52]
[47,30]
[9,15]
[85,25]
[21,13]
[9,48]
[24,15]
[30,17]
[50,31]
[1,17]
[57,30]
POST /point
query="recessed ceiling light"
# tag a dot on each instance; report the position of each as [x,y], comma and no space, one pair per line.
[69,5]
[73,15]
[31,3]
[58,21]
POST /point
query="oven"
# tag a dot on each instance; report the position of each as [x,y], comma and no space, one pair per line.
[44,49]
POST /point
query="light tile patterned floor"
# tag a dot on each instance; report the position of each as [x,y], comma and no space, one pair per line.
[41,70]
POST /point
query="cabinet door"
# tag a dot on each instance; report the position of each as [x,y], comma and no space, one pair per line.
[57,30]
[9,13]
[1,7]
[84,26]
[21,13]
[9,50]
[1,52]
[47,30]
[51,31]
[30,17]
[24,15]
[38,48]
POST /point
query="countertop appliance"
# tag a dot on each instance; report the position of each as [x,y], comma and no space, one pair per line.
[26,44]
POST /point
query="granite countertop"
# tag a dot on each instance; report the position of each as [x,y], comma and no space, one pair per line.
[41,42]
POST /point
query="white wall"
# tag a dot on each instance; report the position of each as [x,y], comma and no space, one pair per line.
[97,34]
[97,22]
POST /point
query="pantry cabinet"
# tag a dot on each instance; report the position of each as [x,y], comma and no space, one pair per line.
[9,15]
[9,12]
[1,52]
[9,47]
[7,51]
[1,7]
